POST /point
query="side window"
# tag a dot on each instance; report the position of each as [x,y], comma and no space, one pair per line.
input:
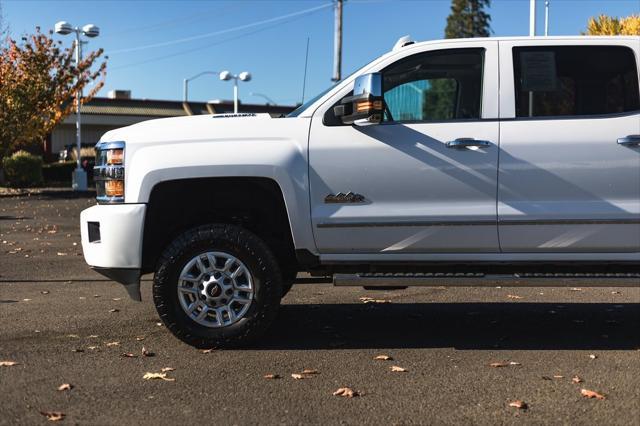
[435,86]
[575,80]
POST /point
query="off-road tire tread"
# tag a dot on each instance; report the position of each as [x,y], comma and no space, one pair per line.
[270,284]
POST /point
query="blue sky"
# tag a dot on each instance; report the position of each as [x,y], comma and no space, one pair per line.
[154,45]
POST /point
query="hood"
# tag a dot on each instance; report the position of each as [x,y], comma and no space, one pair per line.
[197,128]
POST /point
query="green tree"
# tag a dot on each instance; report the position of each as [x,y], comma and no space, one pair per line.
[468,19]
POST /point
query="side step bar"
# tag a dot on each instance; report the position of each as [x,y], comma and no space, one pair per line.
[488,280]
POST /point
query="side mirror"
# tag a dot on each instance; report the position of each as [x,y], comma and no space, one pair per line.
[366,106]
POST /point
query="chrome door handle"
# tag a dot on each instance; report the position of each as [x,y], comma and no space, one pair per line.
[629,140]
[467,142]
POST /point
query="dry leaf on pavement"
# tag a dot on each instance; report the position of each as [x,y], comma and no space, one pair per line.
[128,355]
[8,363]
[576,380]
[346,393]
[159,376]
[113,343]
[166,369]
[558,376]
[499,364]
[383,358]
[271,376]
[592,356]
[518,404]
[309,371]
[147,353]
[208,351]
[514,363]
[513,296]
[65,387]
[114,310]
[398,369]
[53,416]
[297,376]
[591,394]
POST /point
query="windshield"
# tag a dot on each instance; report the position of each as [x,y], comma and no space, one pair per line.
[296,112]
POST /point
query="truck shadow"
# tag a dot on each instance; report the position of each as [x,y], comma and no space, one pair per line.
[463,326]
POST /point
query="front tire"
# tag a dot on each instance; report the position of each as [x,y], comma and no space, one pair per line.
[217,286]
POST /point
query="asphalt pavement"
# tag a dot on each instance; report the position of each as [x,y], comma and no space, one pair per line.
[63,324]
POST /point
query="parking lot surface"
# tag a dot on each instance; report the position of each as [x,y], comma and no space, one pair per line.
[62,323]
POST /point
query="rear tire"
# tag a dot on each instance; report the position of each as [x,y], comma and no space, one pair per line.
[212,323]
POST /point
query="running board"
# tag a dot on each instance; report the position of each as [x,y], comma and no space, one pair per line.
[487,280]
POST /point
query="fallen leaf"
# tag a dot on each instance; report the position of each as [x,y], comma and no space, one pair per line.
[129,355]
[93,336]
[576,380]
[44,292]
[79,350]
[521,405]
[616,292]
[140,338]
[53,416]
[157,376]
[113,344]
[346,393]
[26,300]
[73,336]
[147,353]
[208,351]
[297,376]
[398,369]
[61,253]
[8,363]
[115,299]
[114,310]
[159,324]
[513,296]
[310,371]
[166,369]
[575,289]
[272,376]
[498,364]
[383,358]
[557,376]
[65,387]
[592,356]
[92,347]
[591,394]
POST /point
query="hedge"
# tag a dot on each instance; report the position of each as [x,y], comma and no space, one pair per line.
[22,169]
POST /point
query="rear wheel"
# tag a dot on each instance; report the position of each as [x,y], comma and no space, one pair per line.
[217,285]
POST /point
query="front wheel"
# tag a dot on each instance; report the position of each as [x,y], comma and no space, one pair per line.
[217,285]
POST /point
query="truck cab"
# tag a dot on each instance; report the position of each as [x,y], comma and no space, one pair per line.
[450,161]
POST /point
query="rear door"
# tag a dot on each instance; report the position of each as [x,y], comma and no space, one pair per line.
[569,168]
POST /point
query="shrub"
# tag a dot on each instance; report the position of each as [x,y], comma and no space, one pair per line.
[58,172]
[22,169]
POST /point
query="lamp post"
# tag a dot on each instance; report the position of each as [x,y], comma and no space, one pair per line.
[187,80]
[262,95]
[243,76]
[79,177]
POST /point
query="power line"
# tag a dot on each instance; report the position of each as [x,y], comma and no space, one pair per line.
[228,30]
[185,52]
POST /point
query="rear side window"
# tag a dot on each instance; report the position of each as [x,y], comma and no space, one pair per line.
[575,80]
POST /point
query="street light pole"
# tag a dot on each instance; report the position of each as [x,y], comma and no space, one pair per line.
[532,18]
[185,83]
[243,76]
[546,17]
[79,176]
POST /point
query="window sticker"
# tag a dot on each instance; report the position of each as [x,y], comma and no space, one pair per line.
[538,71]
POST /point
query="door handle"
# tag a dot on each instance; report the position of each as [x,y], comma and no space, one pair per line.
[629,140]
[467,142]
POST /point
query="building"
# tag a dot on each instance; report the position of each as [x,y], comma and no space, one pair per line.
[118,110]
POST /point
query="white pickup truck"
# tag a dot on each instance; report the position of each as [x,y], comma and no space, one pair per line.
[455,161]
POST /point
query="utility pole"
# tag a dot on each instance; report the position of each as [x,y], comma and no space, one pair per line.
[532,18]
[337,41]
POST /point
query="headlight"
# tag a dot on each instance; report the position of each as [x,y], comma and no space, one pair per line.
[108,172]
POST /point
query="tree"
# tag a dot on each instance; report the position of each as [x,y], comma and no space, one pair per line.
[607,25]
[38,83]
[468,18]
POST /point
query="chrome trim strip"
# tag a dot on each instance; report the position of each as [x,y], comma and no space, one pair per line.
[509,222]
[110,145]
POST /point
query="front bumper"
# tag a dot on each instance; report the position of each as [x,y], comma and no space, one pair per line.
[112,242]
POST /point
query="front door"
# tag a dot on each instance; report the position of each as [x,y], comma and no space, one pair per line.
[569,176]
[423,181]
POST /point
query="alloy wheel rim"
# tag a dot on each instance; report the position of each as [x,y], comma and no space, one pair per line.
[215,289]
